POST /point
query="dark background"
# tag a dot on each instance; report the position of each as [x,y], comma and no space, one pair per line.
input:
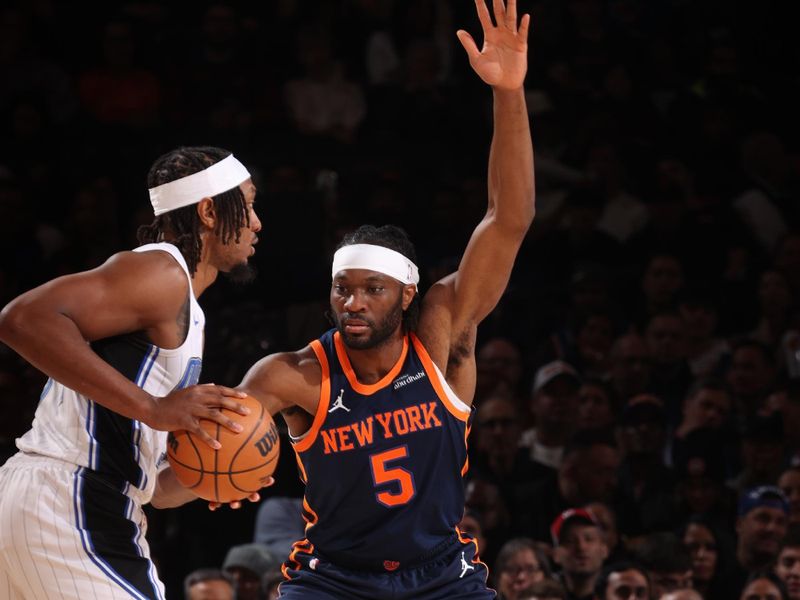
[356,111]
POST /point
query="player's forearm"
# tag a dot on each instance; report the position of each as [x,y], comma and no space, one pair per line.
[169,493]
[511,176]
[52,343]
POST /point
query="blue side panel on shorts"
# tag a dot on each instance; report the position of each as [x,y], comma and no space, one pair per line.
[109,538]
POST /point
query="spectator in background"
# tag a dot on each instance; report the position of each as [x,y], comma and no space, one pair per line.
[547,589]
[787,567]
[484,498]
[553,403]
[644,478]
[763,584]
[519,564]
[789,482]
[701,489]
[762,452]
[270,584]
[705,350]
[247,564]
[596,405]
[751,376]
[606,516]
[787,260]
[775,305]
[323,101]
[705,549]
[667,560]
[670,376]
[662,281]
[588,473]
[684,594]
[208,584]
[579,549]
[630,366]
[763,515]
[279,524]
[499,457]
[707,406]
[622,581]
[785,400]
[499,362]
[121,91]
[472,525]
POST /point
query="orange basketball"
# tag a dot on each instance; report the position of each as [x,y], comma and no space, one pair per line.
[243,464]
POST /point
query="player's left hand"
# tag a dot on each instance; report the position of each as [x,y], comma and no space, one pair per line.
[503,60]
[254,497]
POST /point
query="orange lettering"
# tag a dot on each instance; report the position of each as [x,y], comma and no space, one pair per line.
[363,431]
[414,418]
[400,422]
[430,415]
[330,442]
[383,419]
[344,442]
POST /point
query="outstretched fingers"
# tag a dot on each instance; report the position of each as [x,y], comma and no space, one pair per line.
[524,26]
[511,15]
[469,44]
[483,15]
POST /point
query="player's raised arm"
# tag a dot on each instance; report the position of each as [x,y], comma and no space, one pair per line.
[486,265]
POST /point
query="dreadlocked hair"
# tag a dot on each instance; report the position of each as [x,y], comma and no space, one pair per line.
[394,238]
[182,225]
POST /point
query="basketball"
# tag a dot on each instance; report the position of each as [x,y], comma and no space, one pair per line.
[243,464]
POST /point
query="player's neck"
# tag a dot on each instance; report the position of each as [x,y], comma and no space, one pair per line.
[203,277]
[372,365]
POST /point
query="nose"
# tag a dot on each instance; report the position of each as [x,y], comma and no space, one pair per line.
[354,302]
[255,222]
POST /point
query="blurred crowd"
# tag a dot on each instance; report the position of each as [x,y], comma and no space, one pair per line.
[638,404]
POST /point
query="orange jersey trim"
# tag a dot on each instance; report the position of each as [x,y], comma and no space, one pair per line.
[362,388]
[437,383]
[324,400]
[467,542]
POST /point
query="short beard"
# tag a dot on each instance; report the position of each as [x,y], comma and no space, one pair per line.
[241,273]
[380,333]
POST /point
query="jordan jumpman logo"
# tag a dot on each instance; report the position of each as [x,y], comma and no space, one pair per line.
[338,404]
[465,566]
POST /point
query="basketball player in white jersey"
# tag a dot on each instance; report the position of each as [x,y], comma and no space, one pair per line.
[122,345]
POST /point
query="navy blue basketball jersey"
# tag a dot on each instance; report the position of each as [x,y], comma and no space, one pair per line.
[383,463]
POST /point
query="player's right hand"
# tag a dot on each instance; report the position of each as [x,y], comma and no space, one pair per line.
[183,409]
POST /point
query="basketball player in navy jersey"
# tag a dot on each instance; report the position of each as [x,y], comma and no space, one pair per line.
[122,345]
[379,407]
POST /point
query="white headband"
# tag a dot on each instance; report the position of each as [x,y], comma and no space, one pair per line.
[219,177]
[375,258]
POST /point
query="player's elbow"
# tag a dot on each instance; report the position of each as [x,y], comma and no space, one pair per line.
[12,322]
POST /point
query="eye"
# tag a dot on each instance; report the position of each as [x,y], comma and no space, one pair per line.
[338,288]
[375,289]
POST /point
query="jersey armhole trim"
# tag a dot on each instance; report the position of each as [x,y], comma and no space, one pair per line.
[454,405]
[324,400]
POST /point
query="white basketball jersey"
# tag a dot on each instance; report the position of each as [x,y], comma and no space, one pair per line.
[127,453]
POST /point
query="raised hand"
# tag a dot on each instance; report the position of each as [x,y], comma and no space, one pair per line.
[503,60]
[183,409]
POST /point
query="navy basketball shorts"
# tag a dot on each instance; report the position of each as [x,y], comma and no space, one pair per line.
[453,573]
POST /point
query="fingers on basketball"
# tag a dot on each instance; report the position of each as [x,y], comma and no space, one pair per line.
[242,465]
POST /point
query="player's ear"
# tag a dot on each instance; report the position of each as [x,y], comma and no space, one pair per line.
[409,291]
[207,212]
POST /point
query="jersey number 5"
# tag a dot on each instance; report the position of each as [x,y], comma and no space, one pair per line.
[381,475]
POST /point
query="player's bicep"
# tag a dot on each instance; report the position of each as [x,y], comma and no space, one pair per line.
[483,273]
[277,382]
[115,298]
